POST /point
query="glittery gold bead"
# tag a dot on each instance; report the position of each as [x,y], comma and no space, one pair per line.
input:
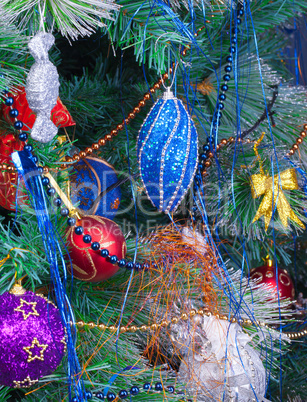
[88,150]
[76,157]
[210,155]
[217,147]
[122,330]
[152,90]
[101,142]
[143,328]
[112,328]
[174,320]
[120,126]
[45,169]
[114,133]
[231,139]
[184,53]
[95,146]
[207,163]
[157,85]
[131,115]
[305,127]
[80,324]
[146,96]
[102,327]
[68,159]
[248,140]
[91,324]
[192,313]
[184,316]
[299,140]
[133,328]
[164,323]
[141,103]
[165,76]
[295,146]
[10,168]
[291,152]
[136,109]
[154,327]
[200,312]
[108,137]
[64,166]
[224,141]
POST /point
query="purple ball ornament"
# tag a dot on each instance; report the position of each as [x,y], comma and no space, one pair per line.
[32,341]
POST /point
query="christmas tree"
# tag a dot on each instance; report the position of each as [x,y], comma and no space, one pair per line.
[153,201]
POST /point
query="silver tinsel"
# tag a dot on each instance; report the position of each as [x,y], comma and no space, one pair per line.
[218,363]
[42,87]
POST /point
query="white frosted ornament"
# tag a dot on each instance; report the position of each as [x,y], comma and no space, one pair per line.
[42,87]
[219,364]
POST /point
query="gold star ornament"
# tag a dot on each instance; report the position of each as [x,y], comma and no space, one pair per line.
[22,310]
[29,351]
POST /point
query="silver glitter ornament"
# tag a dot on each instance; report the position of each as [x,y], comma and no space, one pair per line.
[42,87]
[218,363]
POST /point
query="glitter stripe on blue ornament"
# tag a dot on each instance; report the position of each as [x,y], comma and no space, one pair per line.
[167,152]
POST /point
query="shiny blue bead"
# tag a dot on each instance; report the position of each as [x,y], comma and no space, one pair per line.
[222,97]
[45,181]
[57,202]
[78,230]
[218,114]
[75,399]
[234,40]
[170,389]
[104,253]
[122,263]
[28,148]
[64,212]
[158,386]
[18,124]
[40,170]
[95,246]
[134,390]
[232,49]
[228,69]
[23,136]
[137,266]
[50,191]
[206,148]
[9,101]
[13,113]
[226,77]
[123,394]
[130,265]
[203,157]
[113,259]
[71,221]
[235,30]
[198,178]
[216,123]
[99,395]
[147,386]
[35,159]
[145,266]
[229,59]
[224,87]
[87,238]
[239,21]
[155,266]
[111,396]
[220,105]
[240,12]
[88,394]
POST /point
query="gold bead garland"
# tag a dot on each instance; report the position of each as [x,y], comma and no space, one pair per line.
[183,317]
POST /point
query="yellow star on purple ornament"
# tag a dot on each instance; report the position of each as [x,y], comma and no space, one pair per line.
[26,383]
[21,306]
[41,353]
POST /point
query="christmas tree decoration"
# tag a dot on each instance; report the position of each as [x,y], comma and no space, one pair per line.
[60,116]
[219,361]
[272,189]
[91,263]
[167,152]
[32,341]
[276,279]
[8,178]
[89,183]
[42,87]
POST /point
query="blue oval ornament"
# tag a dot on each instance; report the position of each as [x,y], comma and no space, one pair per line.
[167,151]
[89,181]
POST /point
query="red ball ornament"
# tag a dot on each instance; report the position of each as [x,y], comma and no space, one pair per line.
[266,274]
[8,179]
[89,265]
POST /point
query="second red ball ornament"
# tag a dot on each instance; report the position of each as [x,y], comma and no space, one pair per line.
[89,265]
[266,274]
